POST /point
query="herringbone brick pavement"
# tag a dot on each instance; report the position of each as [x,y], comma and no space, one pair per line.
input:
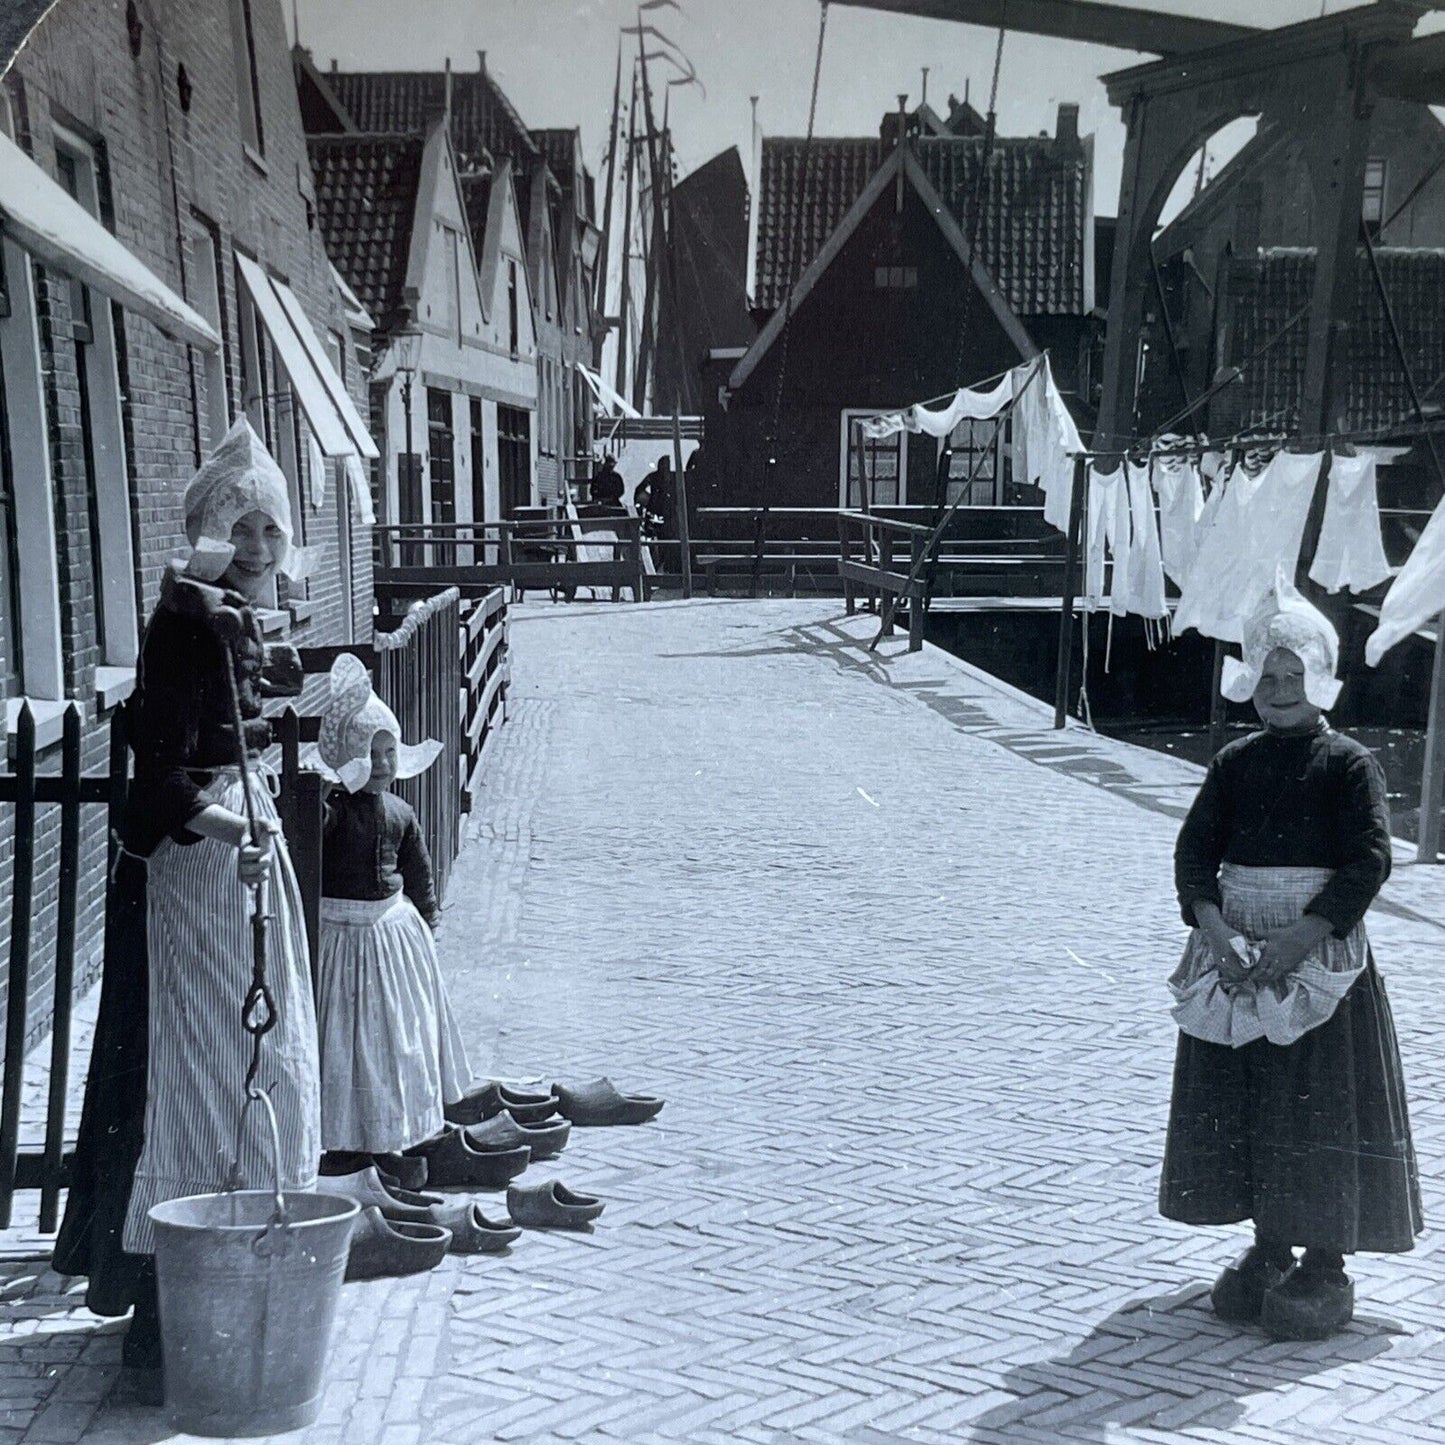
[895,954]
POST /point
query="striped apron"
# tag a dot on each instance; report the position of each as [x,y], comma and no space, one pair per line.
[198,917]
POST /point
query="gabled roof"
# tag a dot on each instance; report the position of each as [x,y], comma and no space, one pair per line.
[322,112]
[1037,213]
[1264,291]
[483,121]
[882,178]
[366,195]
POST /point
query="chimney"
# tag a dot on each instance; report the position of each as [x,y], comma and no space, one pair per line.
[482,61]
[333,65]
[447,93]
[1067,130]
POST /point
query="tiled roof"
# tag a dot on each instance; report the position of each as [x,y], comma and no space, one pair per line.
[483,119]
[838,171]
[366,201]
[1032,234]
[558,147]
[477,197]
[1263,292]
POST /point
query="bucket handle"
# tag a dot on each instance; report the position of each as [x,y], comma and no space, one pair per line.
[257,1095]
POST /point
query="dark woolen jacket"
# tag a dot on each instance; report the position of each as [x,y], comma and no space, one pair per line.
[1302,800]
[372,848]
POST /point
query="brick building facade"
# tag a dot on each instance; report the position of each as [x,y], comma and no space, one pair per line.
[175,123]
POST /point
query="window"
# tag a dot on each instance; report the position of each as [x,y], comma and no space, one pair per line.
[12,660]
[1372,203]
[514,458]
[977,454]
[479,473]
[248,84]
[96,328]
[895,278]
[206,296]
[883,463]
[336,352]
[513,334]
[30,504]
[270,406]
[451,317]
[443,456]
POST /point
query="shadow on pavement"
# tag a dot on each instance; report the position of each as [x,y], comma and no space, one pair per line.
[1165,1364]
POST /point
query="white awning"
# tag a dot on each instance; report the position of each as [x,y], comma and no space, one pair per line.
[58,231]
[334,420]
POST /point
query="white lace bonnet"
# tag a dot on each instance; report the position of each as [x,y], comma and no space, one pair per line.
[240,476]
[353,715]
[1285,619]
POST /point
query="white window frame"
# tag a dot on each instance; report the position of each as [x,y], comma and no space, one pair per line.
[850,414]
[43,667]
[208,297]
[116,606]
[248,87]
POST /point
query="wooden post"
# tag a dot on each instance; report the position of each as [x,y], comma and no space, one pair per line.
[1432,772]
[18,996]
[845,554]
[64,971]
[635,550]
[1217,711]
[1066,609]
[915,599]
[684,524]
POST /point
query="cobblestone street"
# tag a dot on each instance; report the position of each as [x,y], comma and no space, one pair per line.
[894,952]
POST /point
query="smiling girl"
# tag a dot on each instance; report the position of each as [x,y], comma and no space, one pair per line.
[170,1055]
[1289,1101]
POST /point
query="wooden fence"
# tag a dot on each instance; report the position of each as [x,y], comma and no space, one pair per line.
[444,673]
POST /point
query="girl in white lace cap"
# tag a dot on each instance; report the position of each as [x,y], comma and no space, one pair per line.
[391,1054]
[1289,1104]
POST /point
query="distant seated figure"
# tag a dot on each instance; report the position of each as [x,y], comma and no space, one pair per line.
[606,488]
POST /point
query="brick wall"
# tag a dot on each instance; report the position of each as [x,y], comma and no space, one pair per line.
[167,168]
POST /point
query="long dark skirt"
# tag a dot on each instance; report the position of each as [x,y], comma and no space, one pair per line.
[112,1119]
[1311,1140]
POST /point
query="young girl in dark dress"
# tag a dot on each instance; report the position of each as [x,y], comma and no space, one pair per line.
[1289,1101]
[392,1056]
[168,1065]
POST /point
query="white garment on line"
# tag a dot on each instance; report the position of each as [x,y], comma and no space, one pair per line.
[1350,551]
[360,489]
[1144,575]
[1257,528]
[1108,526]
[1045,439]
[1181,505]
[1416,595]
[968,404]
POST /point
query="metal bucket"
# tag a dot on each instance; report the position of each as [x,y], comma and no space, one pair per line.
[249,1281]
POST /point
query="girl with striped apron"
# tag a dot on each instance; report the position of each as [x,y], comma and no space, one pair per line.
[165,1087]
[1289,1102]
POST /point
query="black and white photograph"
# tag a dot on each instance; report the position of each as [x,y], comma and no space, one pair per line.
[725,722]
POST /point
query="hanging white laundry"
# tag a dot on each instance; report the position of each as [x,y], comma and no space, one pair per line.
[1144,589]
[1416,595]
[360,489]
[316,467]
[1108,527]
[1045,439]
[1351,552]
[1181,505]
[968,404]
[1256,528]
